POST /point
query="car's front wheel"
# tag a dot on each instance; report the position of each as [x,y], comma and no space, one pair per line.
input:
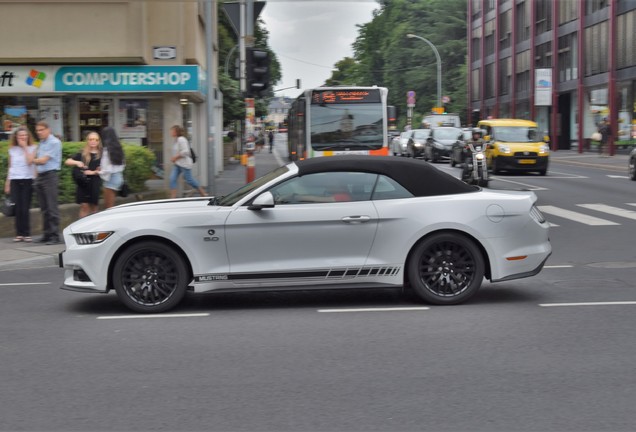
[150,277]
[632,168]
[445,269]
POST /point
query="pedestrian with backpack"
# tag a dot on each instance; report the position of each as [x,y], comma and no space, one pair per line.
[182,160]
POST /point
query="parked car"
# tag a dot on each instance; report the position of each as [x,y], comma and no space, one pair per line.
[340,222]
[399,143]
[632,164]
[440,143]
[416,142]
[515,145]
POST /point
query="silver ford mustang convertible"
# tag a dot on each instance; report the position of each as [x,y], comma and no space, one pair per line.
[331,222]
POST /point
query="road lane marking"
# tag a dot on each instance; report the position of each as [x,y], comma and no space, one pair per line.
[25,283]
[575,216]
[379,309]
[617,176]
[559,266]
[117,317]
[528,186]
[618,303]
[616,211]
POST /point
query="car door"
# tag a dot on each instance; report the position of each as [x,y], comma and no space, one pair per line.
[313,228]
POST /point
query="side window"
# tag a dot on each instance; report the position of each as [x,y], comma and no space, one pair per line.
[324,188]
[387,188]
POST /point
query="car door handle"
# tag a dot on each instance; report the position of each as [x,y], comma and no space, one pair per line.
[356,219]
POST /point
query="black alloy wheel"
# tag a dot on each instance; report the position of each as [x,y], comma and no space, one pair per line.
[150,277]
[632,168]
[446,269]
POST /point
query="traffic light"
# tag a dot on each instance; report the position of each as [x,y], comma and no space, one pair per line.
[258,71]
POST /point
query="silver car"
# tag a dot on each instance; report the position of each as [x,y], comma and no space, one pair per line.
[398,143]
[336,222]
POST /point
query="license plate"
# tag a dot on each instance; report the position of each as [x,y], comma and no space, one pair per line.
[527,161]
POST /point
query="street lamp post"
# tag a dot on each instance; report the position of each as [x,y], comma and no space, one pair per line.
[439,66]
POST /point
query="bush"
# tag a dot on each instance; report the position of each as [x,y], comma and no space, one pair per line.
[139,163]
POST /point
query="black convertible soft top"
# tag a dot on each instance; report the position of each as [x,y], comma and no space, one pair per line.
[418,177]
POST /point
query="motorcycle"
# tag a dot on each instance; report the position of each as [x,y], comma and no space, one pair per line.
[475,170]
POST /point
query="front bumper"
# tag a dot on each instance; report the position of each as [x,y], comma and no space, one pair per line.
[521,163]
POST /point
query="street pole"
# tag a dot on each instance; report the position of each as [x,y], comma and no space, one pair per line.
[211,99]
[439,66]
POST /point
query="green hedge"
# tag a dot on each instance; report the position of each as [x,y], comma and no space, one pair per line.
[139,163]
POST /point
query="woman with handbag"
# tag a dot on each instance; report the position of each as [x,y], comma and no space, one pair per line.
[113,165]
[182,160]
[86,174]
[19,182]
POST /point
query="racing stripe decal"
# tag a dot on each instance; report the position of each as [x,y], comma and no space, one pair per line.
[330,274]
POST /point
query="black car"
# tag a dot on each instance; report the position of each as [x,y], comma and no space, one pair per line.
[632,164]
[440,143]
[416,142]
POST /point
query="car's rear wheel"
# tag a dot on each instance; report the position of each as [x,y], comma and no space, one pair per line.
[150,277]
[632,168]
[445,269]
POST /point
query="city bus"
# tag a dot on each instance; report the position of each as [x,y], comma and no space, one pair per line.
[328,121]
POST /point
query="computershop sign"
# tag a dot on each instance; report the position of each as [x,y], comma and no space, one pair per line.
[92,79]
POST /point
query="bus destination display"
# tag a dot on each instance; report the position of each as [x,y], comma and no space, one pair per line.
[325,97]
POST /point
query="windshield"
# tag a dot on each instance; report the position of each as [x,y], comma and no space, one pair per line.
[421,134]
[519,134]
[447,134]
[347,127]
[240,193]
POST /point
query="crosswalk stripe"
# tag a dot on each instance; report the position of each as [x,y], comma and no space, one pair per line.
[575,216]
[616,211]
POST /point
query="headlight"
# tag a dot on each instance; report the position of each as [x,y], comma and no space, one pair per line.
[92,237]
[479,156]
[504,149]
[544,149]
[537,215]
[417,144]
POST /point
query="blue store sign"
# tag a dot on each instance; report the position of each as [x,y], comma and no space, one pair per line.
[121,79]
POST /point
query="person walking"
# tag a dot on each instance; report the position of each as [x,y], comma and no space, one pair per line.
[270,136]
[86,174]
[112,167]
[19,184]
[182,160]
[48,163]
[606,133]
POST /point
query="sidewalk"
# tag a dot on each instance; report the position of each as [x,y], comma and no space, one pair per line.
[35,255]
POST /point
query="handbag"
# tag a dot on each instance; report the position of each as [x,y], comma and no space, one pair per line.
[79,177]
[124,191]
[8,207]
[193,155]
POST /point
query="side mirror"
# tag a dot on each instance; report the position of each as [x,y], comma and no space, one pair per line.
[487,138]
[264,200]
[546,139]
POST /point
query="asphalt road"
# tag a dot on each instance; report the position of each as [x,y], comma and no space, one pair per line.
[551,352]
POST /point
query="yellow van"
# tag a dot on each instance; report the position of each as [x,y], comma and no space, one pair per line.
[514,145]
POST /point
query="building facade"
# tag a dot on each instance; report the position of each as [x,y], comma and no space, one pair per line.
[137,66]
[566,64]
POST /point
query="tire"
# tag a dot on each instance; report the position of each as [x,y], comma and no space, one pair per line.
[446,269]
[452,162]
[150,277]
[543,172]
[632,168]
[495,166]
[483,183]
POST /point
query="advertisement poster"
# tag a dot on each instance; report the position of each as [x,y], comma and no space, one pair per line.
[13,117]
[133,118]
[51,112]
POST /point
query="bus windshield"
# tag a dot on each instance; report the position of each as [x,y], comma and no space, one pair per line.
[342,126]
[519,134]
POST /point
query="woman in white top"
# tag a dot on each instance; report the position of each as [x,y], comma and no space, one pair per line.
[182,160]
[19,182]
[112,166]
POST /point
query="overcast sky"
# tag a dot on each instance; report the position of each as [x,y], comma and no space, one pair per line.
[309,37]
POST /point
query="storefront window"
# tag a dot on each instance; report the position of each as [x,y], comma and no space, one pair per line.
[94,114]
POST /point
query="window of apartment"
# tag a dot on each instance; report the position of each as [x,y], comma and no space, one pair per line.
[592,6]
[523,71]
[568,11]
[543,55]
[476,44]
[505,22]
[505,75]
[490,5]
[596,49]
[568,57]
[523,21]
[543,15]
[476,8]
[489,91]
[475,85]
[489,32]
[626,45]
